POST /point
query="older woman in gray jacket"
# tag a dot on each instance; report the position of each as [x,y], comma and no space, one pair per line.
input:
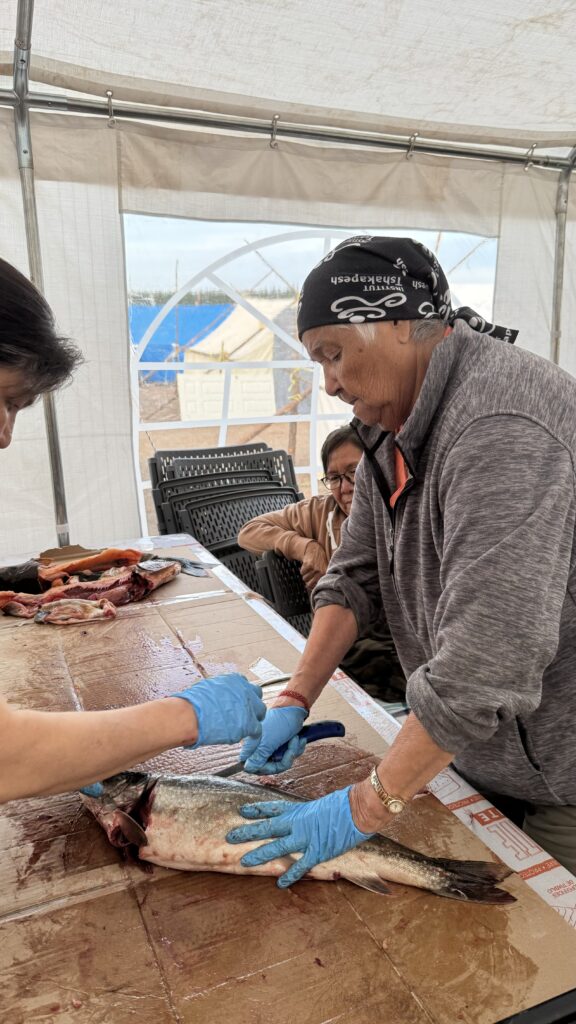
[463,531]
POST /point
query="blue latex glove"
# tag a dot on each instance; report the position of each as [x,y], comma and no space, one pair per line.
[280,725]
[319,830]
[228,708]
[95,790]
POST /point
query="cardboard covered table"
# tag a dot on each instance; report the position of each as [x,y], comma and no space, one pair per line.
[86,938]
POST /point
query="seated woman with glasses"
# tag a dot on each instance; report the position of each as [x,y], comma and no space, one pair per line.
[309,532]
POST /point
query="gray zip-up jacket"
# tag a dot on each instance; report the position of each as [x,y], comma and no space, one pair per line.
[476,564]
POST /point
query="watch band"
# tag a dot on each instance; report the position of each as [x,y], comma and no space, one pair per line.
[394,804]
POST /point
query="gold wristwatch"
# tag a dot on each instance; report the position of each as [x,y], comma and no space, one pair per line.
[394,804]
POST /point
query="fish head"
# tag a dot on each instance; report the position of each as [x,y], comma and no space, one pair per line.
[121,807]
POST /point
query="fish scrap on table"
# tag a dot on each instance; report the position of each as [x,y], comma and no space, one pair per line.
[116,585]
[181,822]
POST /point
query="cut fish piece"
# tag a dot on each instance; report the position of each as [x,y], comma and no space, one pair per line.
[66,611]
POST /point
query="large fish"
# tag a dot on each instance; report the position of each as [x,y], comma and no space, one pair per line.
[181,822]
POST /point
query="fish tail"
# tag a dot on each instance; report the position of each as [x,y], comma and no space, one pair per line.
[466,880]
[475,870]
[474,880]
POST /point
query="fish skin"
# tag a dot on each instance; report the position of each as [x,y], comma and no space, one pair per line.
[183,822]
[158,571]
[53,571]
[64,612]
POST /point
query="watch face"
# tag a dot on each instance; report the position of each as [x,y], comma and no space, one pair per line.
[395,806]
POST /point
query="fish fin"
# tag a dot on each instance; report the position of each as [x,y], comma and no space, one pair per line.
[475,870]
[371,882]
[130,829]
[476,892]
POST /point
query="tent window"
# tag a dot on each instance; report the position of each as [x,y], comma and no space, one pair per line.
[215,358]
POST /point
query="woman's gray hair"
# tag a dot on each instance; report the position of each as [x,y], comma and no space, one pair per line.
[430,329]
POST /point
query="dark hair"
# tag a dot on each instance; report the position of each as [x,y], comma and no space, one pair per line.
[342,435]
[29,341]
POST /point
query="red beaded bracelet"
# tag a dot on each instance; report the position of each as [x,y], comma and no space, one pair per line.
[296,696]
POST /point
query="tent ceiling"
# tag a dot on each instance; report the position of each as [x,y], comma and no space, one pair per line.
[493,73]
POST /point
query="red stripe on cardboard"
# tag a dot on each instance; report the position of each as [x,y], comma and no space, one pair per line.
[465,801]
[488,816]
[539,869]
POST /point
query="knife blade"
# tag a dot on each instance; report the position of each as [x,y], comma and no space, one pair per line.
[316,731]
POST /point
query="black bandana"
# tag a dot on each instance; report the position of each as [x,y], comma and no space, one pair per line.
[370,278]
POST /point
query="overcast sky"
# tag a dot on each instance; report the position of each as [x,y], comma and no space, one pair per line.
[161,250]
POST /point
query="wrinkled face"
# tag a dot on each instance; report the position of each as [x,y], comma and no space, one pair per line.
[343,460]
[14,396]
[380,378]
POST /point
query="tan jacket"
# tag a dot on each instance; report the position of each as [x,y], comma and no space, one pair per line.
[291,530]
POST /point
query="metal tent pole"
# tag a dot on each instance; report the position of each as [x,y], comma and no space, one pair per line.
[26,166]
[409,144]
[559,256]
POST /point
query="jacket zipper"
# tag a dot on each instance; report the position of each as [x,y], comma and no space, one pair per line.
[393,519]
[383,489]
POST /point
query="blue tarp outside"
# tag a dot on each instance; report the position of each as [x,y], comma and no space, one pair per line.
[186,325]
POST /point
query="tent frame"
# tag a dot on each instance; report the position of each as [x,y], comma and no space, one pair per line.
[22,101]
[26,168]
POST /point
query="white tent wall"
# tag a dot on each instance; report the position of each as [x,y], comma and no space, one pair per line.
[82,254]
[87,174]
[26,506]
[524,284]
[83,258]
[196,174]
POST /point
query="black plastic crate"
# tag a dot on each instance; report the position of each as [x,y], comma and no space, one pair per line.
[161,463]
[218,520]
[242,564]
[175,494]
[302,623]
[283,585]
[278,463]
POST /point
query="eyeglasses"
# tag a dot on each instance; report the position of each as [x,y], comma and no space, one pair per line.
[335,480]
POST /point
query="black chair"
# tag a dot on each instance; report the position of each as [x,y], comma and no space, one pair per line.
[242,564]
[280,582]
[161,463]
[216,521]
[171,495]
[278,463]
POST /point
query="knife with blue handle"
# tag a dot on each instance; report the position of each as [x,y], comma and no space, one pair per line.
[317,731]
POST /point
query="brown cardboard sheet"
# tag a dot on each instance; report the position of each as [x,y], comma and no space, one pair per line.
[87,939]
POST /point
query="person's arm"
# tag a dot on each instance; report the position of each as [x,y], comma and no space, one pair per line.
[344,601]
[53,752]
[292,532]
[412,761]
[289,531]
[333,632]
